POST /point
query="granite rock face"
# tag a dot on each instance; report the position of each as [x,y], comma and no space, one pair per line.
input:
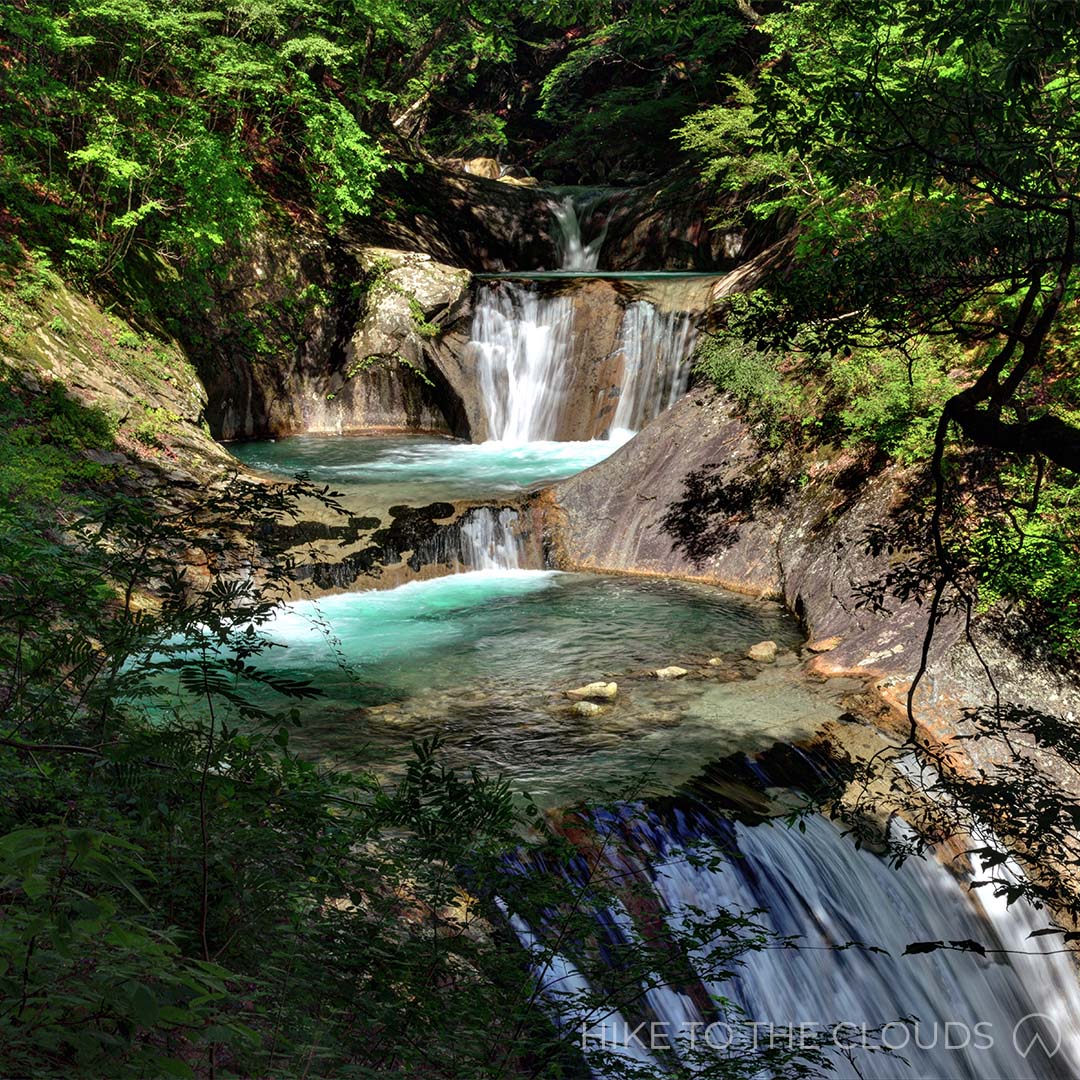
[477,222]
[694,495]
[310,336]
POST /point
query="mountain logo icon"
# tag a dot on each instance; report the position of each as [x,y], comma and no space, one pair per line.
[1037,1029]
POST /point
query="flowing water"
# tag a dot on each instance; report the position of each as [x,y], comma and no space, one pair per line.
[657,348]
[948,1014]
[576,253]
[523,342]
[523,338]
[416,469]
[484,657]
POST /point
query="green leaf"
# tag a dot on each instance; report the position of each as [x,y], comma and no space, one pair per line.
[145,1006]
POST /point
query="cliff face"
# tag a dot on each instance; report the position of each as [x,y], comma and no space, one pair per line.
[309,335]
[694,495]
[140,379]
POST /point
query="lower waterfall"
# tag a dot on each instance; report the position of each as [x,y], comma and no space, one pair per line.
[490,540]
[1012,1013]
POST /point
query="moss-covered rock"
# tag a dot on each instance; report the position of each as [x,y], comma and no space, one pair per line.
[140,379]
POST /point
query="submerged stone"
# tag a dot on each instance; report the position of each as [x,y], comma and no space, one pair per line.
[764,652]
[586,708]
[605,691]
[672,672]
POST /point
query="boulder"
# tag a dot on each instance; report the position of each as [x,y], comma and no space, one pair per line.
[823,644]
[764,652]
[586,708]
[672,672]
[483,166]
[601,690]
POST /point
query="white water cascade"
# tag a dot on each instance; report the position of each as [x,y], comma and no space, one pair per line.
[523,342]
[574,252]
[657,348]
[967,1016]
[490,540]
[523,339]
[524,345]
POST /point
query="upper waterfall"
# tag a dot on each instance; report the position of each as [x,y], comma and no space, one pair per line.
[575,253]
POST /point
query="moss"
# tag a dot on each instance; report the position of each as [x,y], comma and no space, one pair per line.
[44,439]
[157,423]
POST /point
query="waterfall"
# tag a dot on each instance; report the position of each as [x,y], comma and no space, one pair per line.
[657,348]
[973,1016]
[523,343]
[490,540]
[574,253]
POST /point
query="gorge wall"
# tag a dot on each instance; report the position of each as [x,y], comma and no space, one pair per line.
[696,495]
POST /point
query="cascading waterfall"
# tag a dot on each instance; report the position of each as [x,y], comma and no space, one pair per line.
[574,252]
[973,1016]
[523,342]
[490,540]
[657,348]
[524,345]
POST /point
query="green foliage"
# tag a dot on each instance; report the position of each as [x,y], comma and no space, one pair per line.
[752,378]
[643,71]
[43,437]
[76,919]
[34,278]
[890,399]
[1028,554]
[155,425]
[424,328]
[924,164]
[805,393]
[147,124]
[726,141]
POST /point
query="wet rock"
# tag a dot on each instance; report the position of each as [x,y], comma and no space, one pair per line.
[483,166]
[716,661]
[764,652]
[672,672]
[823,644]
[600,740]
[586,708]
[597,690]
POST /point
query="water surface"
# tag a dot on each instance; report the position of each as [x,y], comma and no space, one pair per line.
[484,659]
[419,468]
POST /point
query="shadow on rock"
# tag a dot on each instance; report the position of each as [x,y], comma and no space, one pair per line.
[705,522]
